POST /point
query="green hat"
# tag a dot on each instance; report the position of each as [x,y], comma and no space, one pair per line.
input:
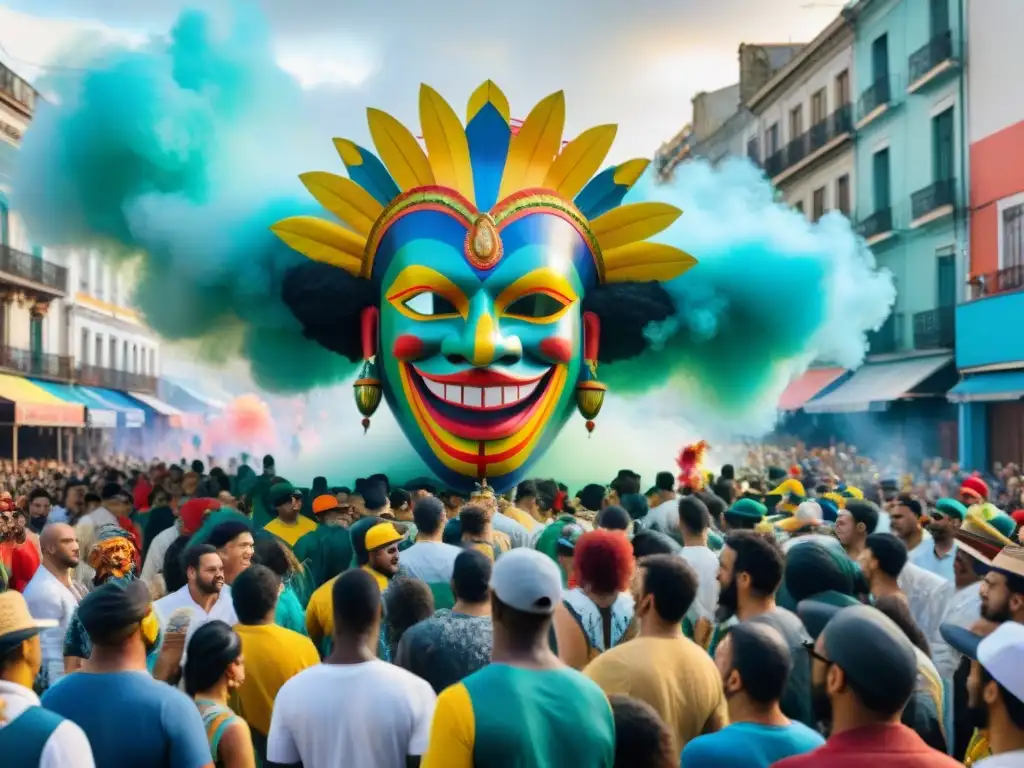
[1004,524]
[951,508]
[748,509]
[281,492]
[776,474]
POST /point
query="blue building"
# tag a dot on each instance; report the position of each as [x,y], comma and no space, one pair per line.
[910,205]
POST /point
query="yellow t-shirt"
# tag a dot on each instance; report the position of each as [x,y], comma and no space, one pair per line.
[290,532]
[320,609]
[674,675]
[273,656]
[523,518]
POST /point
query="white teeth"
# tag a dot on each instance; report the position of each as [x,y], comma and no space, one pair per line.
[472,396]
[480,397]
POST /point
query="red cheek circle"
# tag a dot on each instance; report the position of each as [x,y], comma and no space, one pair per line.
[557,350]
[407,347]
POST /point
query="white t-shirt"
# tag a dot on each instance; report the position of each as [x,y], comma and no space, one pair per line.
[705,563]
[369,714]
[223,609]
[430,561]
[49,598]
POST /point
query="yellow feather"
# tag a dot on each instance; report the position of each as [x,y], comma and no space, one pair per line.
[322,241]
[446,142]
[641,262]
[488,93]
[628,172]
[579,161]
[399,151]
[348,152]
[632,223]
[344,198]
[534,148]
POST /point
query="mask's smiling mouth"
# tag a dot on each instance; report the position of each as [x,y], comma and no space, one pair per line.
[480,404]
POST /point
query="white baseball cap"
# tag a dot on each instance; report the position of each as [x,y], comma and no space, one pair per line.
[1001,653]
[528,581]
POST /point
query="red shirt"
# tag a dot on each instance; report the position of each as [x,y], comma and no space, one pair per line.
[24,564]
[892,746]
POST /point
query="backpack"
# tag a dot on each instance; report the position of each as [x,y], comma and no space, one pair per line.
[23,741]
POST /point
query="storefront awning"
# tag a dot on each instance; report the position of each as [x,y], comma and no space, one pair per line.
[989,387]
[211,403]
[173,415]
[96,416]
[130,415]
[807,386]
[875,385]
[35,407]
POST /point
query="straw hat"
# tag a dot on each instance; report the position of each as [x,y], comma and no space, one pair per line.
[16,623]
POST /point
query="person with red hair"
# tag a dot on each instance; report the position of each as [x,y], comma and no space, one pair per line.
[597,611]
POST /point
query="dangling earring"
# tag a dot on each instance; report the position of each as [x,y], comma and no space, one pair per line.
[367,387]
[589,391]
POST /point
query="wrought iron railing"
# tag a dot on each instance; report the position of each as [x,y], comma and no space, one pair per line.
[29,267]
[935,328]
[877,223]
[109,378]
[930,55]
[41,365]
[1006,280]
[874,96]
[809,142]
[934,196]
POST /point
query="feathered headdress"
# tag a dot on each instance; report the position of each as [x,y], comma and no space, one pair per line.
[690,461]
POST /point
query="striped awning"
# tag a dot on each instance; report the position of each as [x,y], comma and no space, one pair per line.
[35,407]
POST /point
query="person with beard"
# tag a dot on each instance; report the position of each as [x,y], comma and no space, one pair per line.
[53,595]
[938,555]
[289,525]
[750,571]
[995,689]
[755,664]
[39,504]
[971,729]
[863,674]
[382,553]
[661,666]
[1002,591]
[205,596]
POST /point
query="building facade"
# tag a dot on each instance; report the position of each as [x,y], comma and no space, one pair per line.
[989,347]
[802,132]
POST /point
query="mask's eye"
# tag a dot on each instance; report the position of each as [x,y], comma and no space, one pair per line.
[430,304]
[535,306]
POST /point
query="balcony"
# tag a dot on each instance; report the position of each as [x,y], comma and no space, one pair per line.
[109,378]
[18,90]
[874,101]
[876,227]
[32,272]
[39,365]
[936,201]
[988,325]
[889,338]
[935,328]
[802,151]
[932,60]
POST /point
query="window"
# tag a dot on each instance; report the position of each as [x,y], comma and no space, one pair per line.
[752,150]
[112,360]
[99,350]
[124,357]
[942,146]
[796,122]
[819,107]
[84,349]
[818,204]
[842,88]
[1011,251]
[939,17]
[798,206]
[880,58]
[946,276]
[843,194]
[35,339]
[880,163]
[771,140]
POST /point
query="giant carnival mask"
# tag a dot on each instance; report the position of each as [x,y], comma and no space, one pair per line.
[475,277]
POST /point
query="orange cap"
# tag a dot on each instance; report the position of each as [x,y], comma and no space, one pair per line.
[324,503]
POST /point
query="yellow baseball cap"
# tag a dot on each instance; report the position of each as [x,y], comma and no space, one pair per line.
[381,535]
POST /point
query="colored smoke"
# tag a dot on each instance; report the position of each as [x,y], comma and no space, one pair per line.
[181,153]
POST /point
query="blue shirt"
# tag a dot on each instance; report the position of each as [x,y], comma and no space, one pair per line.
[132,720]
[750,745]
[923,556]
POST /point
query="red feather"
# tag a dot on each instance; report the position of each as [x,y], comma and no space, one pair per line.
[690,460]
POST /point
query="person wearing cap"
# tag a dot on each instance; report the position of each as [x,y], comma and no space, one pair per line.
[566,550]
[116,503]
[938,555]
[750,575]
[755,662]
[973,490]
[1002,591]
[129,718]
[995,689]
[327,550]
[354,709]
[864,671]
[661,666]
[856,521]
[190,517]
[31,736]
[559,714]
[382,550]
[745,514]
[289,525]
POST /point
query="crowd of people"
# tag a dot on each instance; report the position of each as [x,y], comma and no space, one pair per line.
[774,613]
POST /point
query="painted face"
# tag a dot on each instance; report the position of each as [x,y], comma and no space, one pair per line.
[480,364]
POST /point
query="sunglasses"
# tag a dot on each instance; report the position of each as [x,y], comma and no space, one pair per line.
[809,647]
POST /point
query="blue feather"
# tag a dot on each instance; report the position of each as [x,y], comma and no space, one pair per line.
[372,176]
[488,134]
[601,194]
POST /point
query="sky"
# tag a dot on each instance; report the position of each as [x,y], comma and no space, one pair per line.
[637,64]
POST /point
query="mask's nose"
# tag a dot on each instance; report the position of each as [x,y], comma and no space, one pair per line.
[480,342]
